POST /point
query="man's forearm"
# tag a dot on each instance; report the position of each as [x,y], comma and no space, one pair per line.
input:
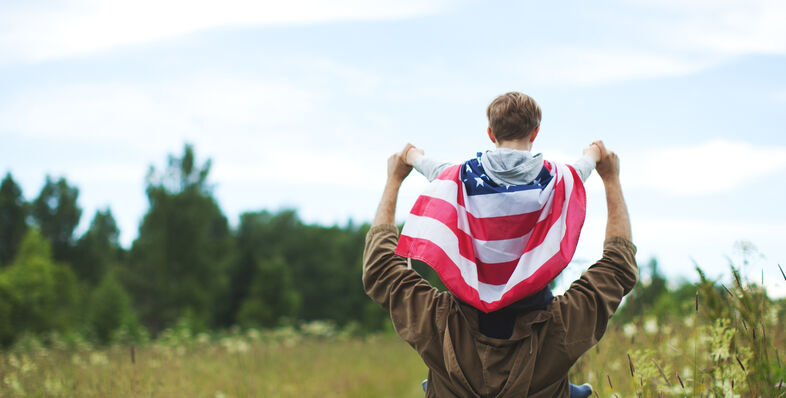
[386,212]
[618,224]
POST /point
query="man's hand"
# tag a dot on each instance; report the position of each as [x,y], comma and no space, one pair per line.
[618,223]
[412,154]
[608,167]
[398,169]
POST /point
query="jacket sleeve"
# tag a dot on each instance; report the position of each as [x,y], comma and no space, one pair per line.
[589,303]
[429,167]
[416,307]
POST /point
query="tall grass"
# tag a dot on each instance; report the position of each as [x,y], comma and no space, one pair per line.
[283,363]
[729,344]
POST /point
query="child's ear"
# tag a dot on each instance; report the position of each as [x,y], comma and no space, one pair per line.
[534,134]
[491,136]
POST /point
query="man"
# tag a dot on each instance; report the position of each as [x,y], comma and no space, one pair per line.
[534,361]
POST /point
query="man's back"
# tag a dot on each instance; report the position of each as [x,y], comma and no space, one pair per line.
[463,362]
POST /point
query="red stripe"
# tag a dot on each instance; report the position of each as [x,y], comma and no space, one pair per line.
[496,273]
[544,226]
[482,228]
[452,174]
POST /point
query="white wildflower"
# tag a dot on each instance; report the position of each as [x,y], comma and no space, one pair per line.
[629,330]
[651,326]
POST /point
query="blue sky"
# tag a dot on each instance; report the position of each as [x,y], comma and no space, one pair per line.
[691,94]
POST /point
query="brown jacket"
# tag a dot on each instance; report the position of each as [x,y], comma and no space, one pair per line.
[533,362]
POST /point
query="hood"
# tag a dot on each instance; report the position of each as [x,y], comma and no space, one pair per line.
[511,167]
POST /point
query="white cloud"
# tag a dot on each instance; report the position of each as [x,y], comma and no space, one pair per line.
[727,27]
[587,66]
[199,106]
[662,38]
[714,167]
[43,30]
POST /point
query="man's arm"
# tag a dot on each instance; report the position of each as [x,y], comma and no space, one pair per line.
[590,302]
[414,305]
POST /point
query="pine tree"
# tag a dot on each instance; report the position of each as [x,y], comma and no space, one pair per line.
[13,219]
[57,214]
[178,261]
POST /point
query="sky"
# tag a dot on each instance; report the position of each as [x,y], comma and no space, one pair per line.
[299,104]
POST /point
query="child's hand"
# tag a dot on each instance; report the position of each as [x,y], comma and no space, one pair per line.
[593,151]
[412,155]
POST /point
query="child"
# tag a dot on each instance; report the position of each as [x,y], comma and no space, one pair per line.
[510,270]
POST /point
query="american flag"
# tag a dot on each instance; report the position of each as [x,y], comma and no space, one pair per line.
[491,244]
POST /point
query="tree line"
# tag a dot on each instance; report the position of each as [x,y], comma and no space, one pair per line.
[189,268]
[186,266]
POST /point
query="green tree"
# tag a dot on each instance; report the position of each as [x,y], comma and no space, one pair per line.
[179,260]
[40,295]
[57,214]
[271,296]
[109,310]
[13,219]
[98,248]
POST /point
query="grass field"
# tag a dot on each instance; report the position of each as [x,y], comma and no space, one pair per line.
[730,345]
[243,365]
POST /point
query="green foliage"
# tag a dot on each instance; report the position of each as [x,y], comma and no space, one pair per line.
[39,295]
[110,311]
[645,295]
[57,214]
[324,262]
[98,248]
[179,260]
[13,215]
[271,297]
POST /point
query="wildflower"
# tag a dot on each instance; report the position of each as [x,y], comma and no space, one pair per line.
[651,326]
[629,330]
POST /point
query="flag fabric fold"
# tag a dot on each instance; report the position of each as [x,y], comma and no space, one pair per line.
[491,244]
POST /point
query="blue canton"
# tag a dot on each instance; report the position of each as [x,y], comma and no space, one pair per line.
[478,183]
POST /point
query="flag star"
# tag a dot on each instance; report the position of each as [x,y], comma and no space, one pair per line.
[507,186]
[479,181]
[469,169]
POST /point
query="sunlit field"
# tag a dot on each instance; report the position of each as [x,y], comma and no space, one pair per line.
[280,363]
[731,343]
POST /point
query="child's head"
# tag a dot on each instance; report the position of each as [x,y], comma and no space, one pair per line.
[513,116]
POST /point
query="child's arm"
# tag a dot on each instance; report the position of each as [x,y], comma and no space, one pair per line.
[429,167]
[586,163]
